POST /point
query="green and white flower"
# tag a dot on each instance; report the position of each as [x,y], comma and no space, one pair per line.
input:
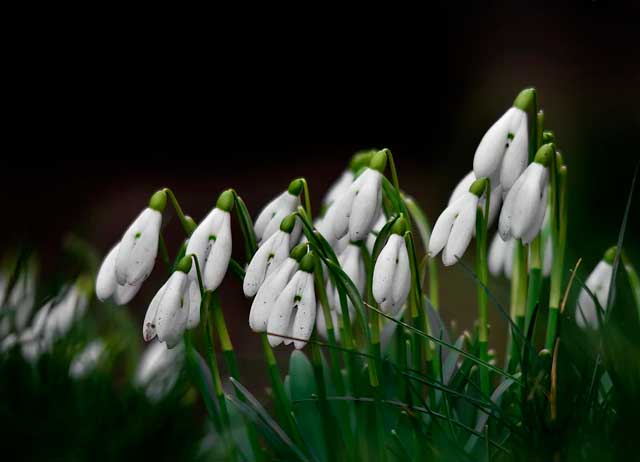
[392,274]
[107,287]
[268,221]
[599,284]
[495,200]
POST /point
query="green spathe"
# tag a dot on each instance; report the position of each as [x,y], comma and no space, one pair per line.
[225,201]
[399,227]
[525,99]
[184,265]
[479,186]
[158,201]
[379,160]
[548,136]
[610,254]
[288,223]
[308,263]
[295,187]
[299,251]
[545,154]
[361,159]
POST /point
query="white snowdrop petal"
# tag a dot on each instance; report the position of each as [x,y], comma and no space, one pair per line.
[384,269]
[286,206]
[124,294]
[268,294]
[267,258]
[218,259]
[401,279]
[496,257]
[201,240]
[516,155]
[173,310]
[529,200]
[106,281]
[305,315]
[352,264]
[536,225]
[462,187]
[138,248]
[586,315]
[339,187]
[495,202]
[340,212]
[266,215]
[149,326]
[490,151]
[442,228]
[365,207]
[461,231]
[280,316]
[506,215]
[195,299]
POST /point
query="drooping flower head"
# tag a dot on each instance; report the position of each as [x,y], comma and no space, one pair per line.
[359,160]
[495,200]
[503,152]
[456,225]
[524,207]
[211,243]
[352,264]
[599,284]
[294,311]
[107,287]
[269,256]
[391,273]
[159,369]
[268,221]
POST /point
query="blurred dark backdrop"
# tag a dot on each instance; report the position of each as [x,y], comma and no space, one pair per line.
[275,109]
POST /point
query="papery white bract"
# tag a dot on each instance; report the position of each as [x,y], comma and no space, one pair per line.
[294,312]
[599,283]
[107,287]
[269,219]
[211,244]
[392,275]
[138,248]
[357,209]
[268,293]
[454,229]
[266,259]
[503,151]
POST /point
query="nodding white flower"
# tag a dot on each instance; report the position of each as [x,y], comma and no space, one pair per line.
[269,219]
[503,151]
[211,243]
[500,256]
[373,235]
[455,226]
[269,256]
[321,324]
[353,266]
[294,311]
[15,314]
[339,187]
[169,310]
[138,247]
[599,283]
[391,274]
[159,369]
[107,287]
[357,209]
[65,311]
[268,292]
[325,228]
[87,360]
[495,201]
[524,207]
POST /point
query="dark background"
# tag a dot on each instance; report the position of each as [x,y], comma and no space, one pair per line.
[300,102]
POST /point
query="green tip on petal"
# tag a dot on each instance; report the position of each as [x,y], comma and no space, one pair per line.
[184,265]
[295,187]
[158,201]
[361,159]
[191,223]
[399,226]
[225,200]
[548,136]
[308,263]
[288,223]
[299,251]
[545,154]
[525,99]
[379,160]
[479,186]
[610,255]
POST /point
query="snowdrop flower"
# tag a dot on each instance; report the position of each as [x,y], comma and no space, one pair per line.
[391,274]
[211,243]
[500,257]
[495,201]
[599,283]
[31,339]
[353,266]
[338,187]
[66,311]
[524,207]
[272,287]
[169,310]
[159,369]
[357,209]
[503,151]
[325,228]
[456,224]
[137,249]
[107,287]
[269,219]
[294,312]
[87,360]
[269,256]
[20,301]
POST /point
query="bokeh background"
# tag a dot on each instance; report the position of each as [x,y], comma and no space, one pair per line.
[429,98]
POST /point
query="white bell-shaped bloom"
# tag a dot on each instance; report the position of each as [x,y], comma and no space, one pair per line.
[138,248]
[503,151]
[325,228]
[500,258]
[267,258]
[454,229]
[524,207]
[495,201]
[339,187]
[268,293]
[169,310]
[211,244]
[195,298]
[269,219]
[107,287]
[357,209]
[87,360]
[599,283]
[63,313]
[352,264]
[321,324]
[159,369]
[392,275]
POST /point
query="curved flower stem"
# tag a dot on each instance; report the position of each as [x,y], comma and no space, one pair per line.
[392,169]
[307,197]
[186,225]
[482,270]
